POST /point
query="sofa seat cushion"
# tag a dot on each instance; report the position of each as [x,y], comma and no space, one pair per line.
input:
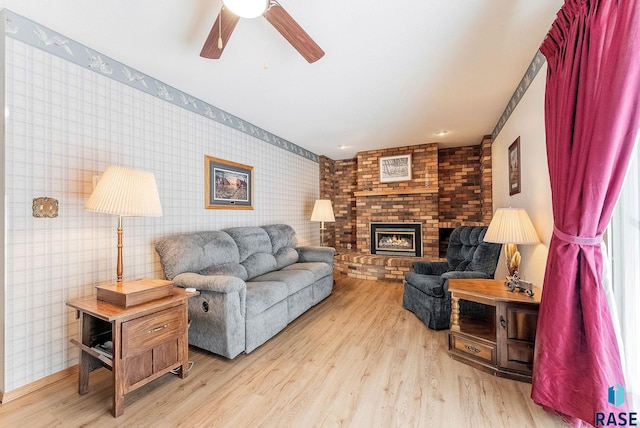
[430,285]
[263,295]
[318,269]
[296,280]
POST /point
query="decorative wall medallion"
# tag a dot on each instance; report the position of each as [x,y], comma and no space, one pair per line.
[45,207]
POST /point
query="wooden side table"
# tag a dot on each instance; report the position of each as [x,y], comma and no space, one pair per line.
[148,340]
[500,341]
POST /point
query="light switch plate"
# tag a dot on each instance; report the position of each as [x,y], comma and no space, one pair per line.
[45,207]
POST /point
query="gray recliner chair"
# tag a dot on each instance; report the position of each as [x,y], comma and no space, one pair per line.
[426,291]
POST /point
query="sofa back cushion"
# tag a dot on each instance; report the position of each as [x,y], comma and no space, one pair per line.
[283,242]
[254,249]
[195,252]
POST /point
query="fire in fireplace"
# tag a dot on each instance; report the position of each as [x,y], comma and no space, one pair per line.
[396,239]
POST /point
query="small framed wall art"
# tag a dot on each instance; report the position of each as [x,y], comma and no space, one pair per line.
[395,168]
[514,167]
[227,185]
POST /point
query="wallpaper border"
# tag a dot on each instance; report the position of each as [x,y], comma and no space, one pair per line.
[532,71]
[41,37]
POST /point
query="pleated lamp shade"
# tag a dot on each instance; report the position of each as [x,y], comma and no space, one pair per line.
[511,226]
[322,211]
[127,193]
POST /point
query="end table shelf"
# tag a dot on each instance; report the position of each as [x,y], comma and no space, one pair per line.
[500,338]
[148,340]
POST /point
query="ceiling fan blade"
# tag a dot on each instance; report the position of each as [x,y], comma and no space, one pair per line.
[295,35]
[229,22]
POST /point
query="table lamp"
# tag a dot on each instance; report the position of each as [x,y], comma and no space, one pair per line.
[126,193]
[322,211]
[511,226]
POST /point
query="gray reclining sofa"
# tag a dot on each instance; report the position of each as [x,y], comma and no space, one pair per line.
[253,281]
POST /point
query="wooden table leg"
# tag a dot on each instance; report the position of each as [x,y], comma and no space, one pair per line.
[455,314]
[183,346]
[85,359]
[116,370]
[83,375]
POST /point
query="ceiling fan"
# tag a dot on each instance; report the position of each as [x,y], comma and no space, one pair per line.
[232,11]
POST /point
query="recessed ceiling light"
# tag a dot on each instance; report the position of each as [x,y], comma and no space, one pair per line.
[442,133]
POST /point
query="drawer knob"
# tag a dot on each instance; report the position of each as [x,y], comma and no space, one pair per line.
[472,349]
[158,328]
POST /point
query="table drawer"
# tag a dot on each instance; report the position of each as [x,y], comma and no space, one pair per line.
[152,330]
[472,347]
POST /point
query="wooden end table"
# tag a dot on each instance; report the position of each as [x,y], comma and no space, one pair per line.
[500,337]
[148,340]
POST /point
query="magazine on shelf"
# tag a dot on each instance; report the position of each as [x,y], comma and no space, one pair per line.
[105,349]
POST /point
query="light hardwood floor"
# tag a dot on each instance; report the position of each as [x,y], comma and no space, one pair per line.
[358,359]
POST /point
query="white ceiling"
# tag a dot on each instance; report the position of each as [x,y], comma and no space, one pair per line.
[394,73]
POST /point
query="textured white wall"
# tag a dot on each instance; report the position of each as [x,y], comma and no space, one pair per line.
[526,122]
[67,124]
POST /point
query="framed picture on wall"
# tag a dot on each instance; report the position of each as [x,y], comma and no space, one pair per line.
[395,168]
[514,167]
[227,185]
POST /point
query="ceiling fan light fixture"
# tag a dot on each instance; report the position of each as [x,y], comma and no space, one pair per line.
[246,8]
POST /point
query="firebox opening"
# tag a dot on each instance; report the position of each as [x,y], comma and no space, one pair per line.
[396,239]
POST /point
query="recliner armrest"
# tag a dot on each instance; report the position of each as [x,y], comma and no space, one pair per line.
[430,268]
[218,283]
[457,274]
[316,254]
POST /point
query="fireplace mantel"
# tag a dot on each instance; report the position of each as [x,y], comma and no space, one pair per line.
[396,191]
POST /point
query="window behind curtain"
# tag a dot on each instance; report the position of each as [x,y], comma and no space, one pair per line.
[625,251]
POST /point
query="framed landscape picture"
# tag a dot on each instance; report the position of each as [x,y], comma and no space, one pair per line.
[514,167]
[395,168]
[228,185]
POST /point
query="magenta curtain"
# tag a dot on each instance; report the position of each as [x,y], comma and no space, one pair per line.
[592,115]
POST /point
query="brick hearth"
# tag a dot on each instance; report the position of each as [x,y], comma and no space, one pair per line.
[374,267]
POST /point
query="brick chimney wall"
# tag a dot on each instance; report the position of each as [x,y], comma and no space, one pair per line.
[449,187]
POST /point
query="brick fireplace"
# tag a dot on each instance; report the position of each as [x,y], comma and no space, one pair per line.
[448,188]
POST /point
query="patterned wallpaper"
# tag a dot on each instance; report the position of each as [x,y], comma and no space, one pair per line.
[65,122]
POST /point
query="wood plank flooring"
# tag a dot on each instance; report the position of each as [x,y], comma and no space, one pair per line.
[358,359]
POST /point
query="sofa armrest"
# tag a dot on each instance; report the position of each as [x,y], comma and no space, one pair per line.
[217,314]
[457,274]
[218,283]
[316,254]
[430,268]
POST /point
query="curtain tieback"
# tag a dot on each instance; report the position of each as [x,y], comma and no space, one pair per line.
[578,240]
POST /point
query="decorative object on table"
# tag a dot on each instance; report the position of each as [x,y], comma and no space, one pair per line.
[395,168]
[511,226]
[514,167]
[514,282]
[126,193]
[322,211]
[131,293]
[228,185]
